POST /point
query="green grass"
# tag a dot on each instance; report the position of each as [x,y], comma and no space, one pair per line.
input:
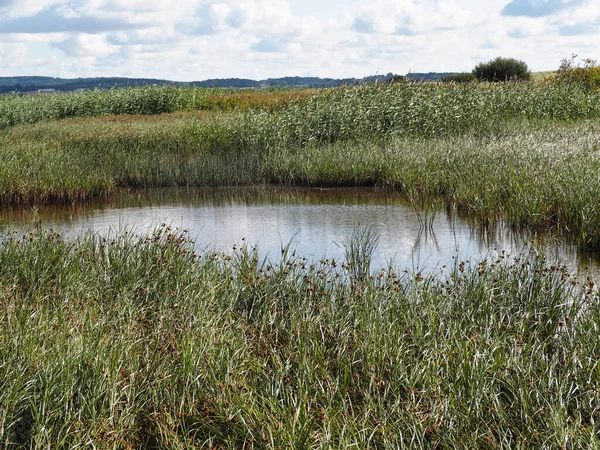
[418,109]
[139,343]
[365,112]
[542,179]
[16,110]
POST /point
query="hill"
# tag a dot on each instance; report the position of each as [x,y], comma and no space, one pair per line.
[35,83]
[429,76]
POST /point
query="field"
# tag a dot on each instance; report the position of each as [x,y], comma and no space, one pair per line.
[137,342]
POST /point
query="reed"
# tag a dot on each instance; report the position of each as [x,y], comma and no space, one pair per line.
[378,112]
[137,342]
[147,100]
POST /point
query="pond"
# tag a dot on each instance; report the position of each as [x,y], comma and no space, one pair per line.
[314,222]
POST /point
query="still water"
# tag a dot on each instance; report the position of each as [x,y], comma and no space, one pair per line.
[314,222]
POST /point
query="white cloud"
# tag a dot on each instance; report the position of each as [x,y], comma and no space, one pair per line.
[13,55]
[268,44]
[538,8]
[85,46]
[149,37]
[411,17]
[199,39]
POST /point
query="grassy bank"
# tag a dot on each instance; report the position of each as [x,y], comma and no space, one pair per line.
[139,343]
[540,175]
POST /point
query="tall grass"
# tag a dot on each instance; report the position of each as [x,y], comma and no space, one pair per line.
[145,100]
[357,112]
[74,161]
[141,100]
[378,112]
[139,343]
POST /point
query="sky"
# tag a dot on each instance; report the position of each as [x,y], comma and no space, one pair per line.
[186,40]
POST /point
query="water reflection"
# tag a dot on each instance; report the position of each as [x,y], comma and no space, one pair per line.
[315,221]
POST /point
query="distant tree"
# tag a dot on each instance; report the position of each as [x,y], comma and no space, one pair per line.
[396,79]
[502,69]
[463,77]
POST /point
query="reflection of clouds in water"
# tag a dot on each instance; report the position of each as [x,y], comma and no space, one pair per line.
[316,230]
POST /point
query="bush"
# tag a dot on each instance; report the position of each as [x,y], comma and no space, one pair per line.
[502,69]
[587,76]
[396,79]
[463,77]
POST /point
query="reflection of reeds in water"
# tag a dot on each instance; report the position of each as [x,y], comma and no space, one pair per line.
[425,209]
[35,217]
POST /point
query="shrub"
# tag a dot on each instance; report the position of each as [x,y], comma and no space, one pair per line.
[396,79]
[502,69]
[463,77]
[587,75]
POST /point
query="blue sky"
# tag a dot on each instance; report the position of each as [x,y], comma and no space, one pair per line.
[195,40]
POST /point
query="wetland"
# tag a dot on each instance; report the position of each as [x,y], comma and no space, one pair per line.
[188,268]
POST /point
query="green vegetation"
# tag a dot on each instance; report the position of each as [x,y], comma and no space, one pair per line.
[545,178]
[149,100]
[587,75]
[364,111]
[502,69]
[138,343]
[146,100]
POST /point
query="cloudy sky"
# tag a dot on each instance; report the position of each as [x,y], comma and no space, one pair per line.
[199,39]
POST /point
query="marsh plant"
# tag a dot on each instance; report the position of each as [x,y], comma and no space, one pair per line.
[138,342]
[427,110]
[147,100]
[359,249]
[585,74]
[542,176]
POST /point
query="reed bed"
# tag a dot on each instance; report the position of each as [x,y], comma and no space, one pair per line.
[138,342]
[378,112]
[328,115]
[269,100]
[147,100]
[16,110]
[544,179]
[542,176]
